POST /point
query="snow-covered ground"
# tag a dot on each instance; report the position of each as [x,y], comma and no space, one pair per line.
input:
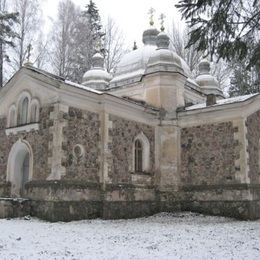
[162,236]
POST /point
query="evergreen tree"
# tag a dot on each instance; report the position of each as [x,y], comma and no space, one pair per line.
[7,35]
[244,81]
[228,29]
[94,20]
[96,36]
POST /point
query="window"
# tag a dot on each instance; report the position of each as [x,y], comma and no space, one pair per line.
[23,115]
[141,153]
[34,111]
[138,156]
[24,112]
[12,119]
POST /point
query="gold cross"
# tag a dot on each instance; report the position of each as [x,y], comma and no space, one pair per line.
[151,12]
[162,17]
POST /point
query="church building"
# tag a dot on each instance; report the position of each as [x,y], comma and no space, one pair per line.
[149,139]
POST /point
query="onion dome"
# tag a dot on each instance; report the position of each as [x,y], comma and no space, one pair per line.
[150,35]
[163,59]
[133,65]
[207,82]
[97,77]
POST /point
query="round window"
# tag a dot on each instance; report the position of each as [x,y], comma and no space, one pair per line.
[78,150]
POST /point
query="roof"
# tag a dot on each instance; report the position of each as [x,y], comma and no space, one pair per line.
[62,79]
[222,102]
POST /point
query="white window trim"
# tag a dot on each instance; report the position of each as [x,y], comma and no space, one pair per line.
[14,120]
[34,103]
[21,98]
[145,152]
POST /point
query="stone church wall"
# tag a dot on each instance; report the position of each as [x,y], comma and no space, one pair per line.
[253,137]
[38,141]
[4,186]
[208,173]
[81,145]
[3,150]
[208,154]
[122,135]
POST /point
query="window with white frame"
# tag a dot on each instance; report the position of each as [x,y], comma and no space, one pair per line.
[12,117]
[34,111]
[24,111]
[138,156]
[141,153]
[23,115]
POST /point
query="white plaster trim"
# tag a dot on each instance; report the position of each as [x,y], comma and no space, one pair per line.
[242,162]
[27,128]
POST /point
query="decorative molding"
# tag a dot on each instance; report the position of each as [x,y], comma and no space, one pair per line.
[26,128]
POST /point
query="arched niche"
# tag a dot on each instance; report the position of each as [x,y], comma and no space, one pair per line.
[20,167]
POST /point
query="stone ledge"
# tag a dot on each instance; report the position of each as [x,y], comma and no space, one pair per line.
[57,184]
[111,187]
[219,186]
[26,128]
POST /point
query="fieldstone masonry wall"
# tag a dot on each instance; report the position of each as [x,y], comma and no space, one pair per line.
[3,150]
[208,154]
[253,137]
[122,136]
[38,141]
[81,145]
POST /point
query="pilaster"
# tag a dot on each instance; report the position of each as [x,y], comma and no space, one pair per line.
[55,145]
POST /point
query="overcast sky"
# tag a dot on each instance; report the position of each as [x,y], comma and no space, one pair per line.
[130,15]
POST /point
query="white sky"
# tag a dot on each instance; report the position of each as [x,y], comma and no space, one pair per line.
[131,16]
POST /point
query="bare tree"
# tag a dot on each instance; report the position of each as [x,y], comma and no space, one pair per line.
[113,45]
[179,40]
[28,29]
[41,52]
[69,42]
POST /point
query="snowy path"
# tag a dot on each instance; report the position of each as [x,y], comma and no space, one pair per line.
[163,236]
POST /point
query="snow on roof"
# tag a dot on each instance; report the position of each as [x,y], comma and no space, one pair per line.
[53,76]
[82,87]
[223,101]
[45,73]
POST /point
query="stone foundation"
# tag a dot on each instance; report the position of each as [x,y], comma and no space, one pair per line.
[13,207]
[243,210]
[70,200]
[67,201]
[241,201]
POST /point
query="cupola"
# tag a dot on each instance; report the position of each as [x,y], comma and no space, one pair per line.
[207,82]
[97,77]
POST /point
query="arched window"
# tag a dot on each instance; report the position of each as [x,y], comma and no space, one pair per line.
[24,112]
[141,153]
[138,156]
[12,119]
[34,111]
